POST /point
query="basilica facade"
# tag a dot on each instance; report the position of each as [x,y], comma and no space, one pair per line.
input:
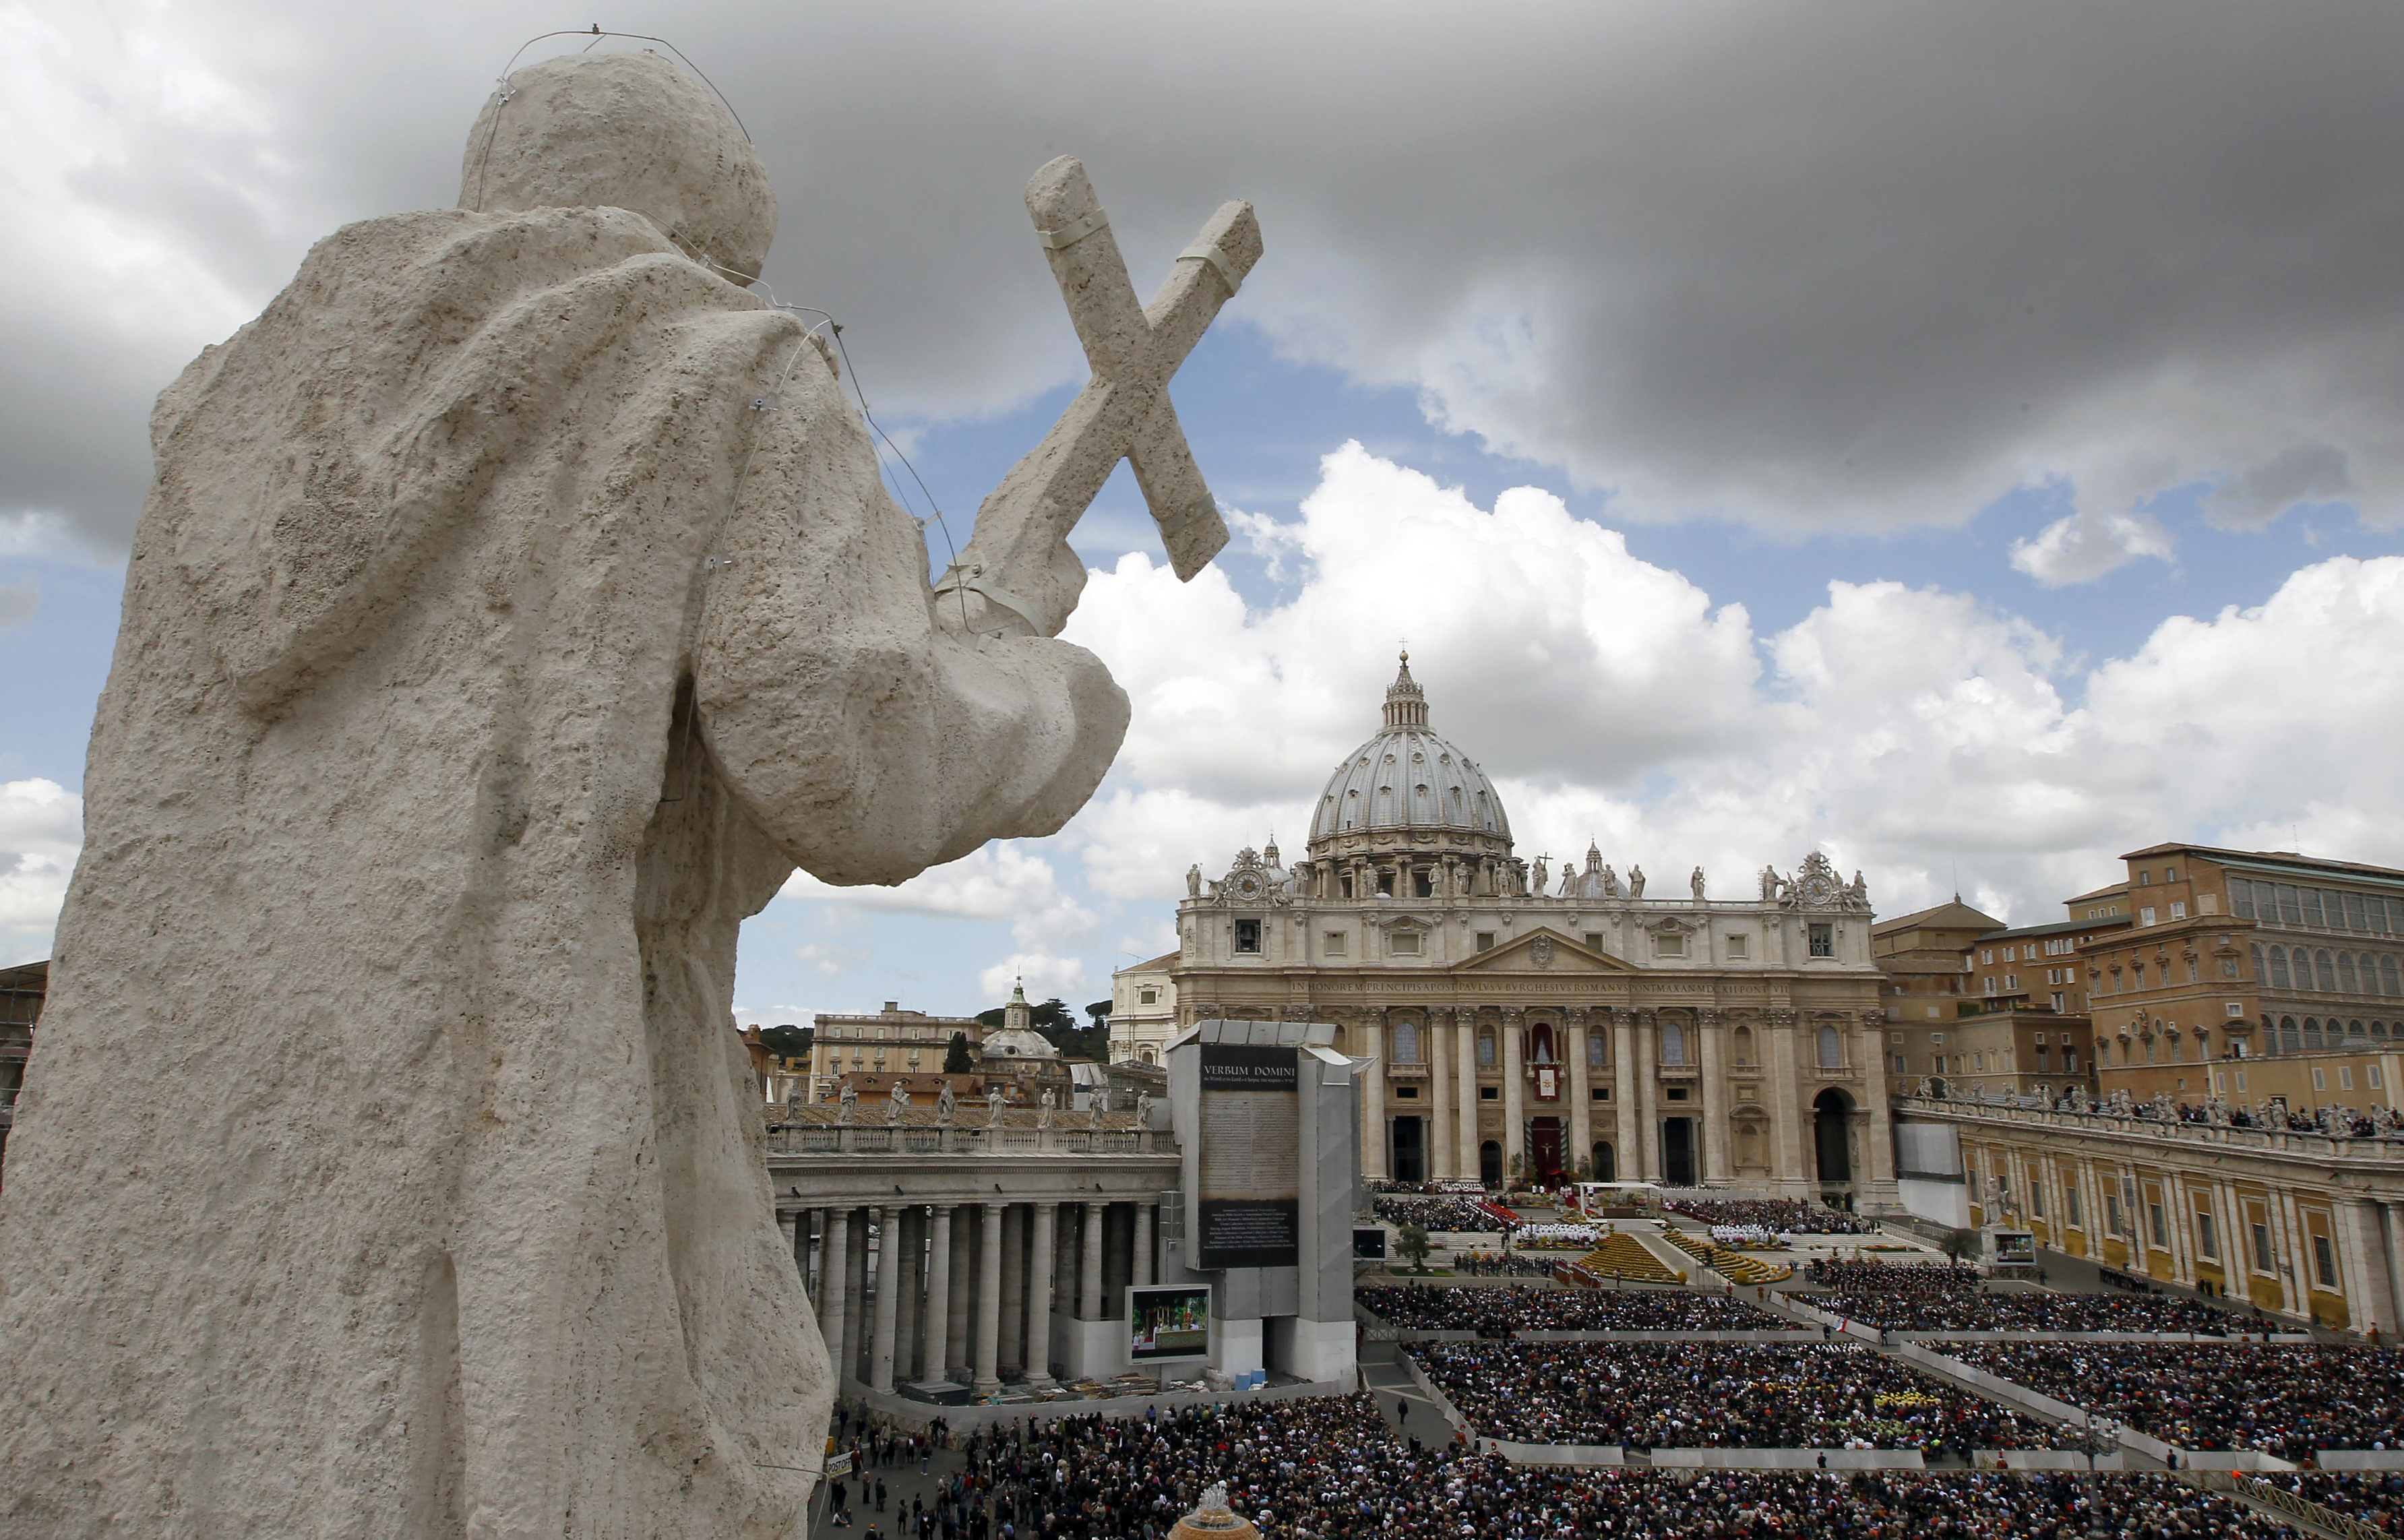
[1520,1022]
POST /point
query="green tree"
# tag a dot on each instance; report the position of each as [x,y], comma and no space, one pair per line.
[1412,1243]
[1962,1245]
[786,1042]
[955,1057]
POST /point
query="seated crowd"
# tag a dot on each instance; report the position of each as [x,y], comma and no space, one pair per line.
[1330,1469]
[1772,1215]
[2287,1401]
[1561,1310]
[2025,1311]
[2372,1497]
[1449,1213]
[1920,1279]
[1495,1265]
[1716,1394]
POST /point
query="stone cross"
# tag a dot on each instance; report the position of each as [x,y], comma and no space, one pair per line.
[1123,413]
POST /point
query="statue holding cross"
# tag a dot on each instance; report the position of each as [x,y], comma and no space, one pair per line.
[516,605]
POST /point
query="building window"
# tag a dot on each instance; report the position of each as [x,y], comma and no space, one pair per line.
[1675,1093]
[1596,1058]
[1405,944]
[2146,915]
[1670,944]
[1987,958]
[2325,1263]
[1248,935]
[1594,941]
[2206,1242]
[1831,1049]
[1740,947]
[2263,1261]
[2012,983]
[1485,1049]
[1147,997]
[2111,1213]
[1486,941]
[1406,1043]
[1603,1093]
[1673,1043]
[2178,908]
[1335,943]
[2070,1209]
[1824,939]
[1489,1093]
[1406,1092]
[1898,1065]
[2159,1224]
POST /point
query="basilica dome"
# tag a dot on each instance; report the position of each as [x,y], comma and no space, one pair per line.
[1408,781]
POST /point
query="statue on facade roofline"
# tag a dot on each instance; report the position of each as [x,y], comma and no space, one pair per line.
[1695,882]
[1636,882]
[1610,881]
[1543,874]
[945,1104]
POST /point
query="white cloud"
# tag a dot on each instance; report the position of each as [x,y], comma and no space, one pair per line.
[2083,546]
[775,1016]
[831,961]
[1000,881]
[1047,977]
[41,830]
[1914,732]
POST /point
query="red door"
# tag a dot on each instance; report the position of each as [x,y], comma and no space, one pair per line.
[1544,1149]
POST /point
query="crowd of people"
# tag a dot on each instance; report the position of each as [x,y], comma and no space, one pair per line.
[1332,1468]
[2372,1497]
[1447,1211]
[2287,1401]
[1526,1310]
[1496,1265]
[2026,1311]
[1772,1215]
[1557,1236]
[1718,1394]
[1917,1279]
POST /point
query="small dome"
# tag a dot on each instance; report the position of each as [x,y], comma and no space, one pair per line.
[1408,779]
[1018,1043]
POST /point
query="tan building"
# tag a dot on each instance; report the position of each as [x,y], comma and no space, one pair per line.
[893,1042]
[1976,1007]
[1143,1011]
[2303,1225]
[1925,957]
[1522,1022]
[2245,954]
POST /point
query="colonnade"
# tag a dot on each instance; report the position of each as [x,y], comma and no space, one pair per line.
[973,1286]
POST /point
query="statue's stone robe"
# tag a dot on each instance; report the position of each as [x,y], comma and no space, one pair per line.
[388,1165]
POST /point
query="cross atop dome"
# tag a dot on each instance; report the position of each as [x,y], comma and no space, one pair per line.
[1405,702]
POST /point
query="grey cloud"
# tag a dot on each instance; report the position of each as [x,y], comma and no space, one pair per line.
[19,600]
[1832,265]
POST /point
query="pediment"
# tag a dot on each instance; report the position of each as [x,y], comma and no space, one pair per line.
[1545,950]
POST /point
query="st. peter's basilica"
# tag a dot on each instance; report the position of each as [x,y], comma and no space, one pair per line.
[1577,1024]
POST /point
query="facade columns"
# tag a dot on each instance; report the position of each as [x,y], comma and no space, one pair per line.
[1876,1175]
[1581,1097]
[2363,1261]
[1789,1109]
[888,1297]
[1717,1136]
[1628,1158]
[938,1318]
[1514,1093]
[1464,1056]
[834,1256]
[986,1373]
[1089,1272]
[1373,1095]
[1441,1161]
[1141,1275]
[1042,1250]
[1648,1121]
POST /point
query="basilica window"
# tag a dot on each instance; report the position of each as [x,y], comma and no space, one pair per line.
[1332,944]
[1147,997]
[1595,1057]
[1831,1049]
[1406,1043]
[1824,939]
[1486,941]
[1738,948]
[1405,944]
[1673,1043]
[1594,941]
[1485,1049]
[1741,1045]
[2325,970]
[1540,1043]
[1248,935]
[1669,943]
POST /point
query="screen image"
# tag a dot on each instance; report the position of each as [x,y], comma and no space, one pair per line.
[1168,1322]
[1249,1206]
[2015,1248]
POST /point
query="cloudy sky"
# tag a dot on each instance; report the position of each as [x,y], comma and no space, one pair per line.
[1968,439]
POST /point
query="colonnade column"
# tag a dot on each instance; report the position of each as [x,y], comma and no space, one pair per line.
[1514,1093]
[1580,1095]
[1716,1134]
[1464,1031]
[888,1298]
[854,1295]
[1041,1249]
[1142,1273]
[910,1289]
[955,1318]
[1089,1266]
[1627,1160]
[2364,1259]
[937,1321]
[1014,1220]
[1373,1095]
[1441,1161]
[834,1256]
[988,1372]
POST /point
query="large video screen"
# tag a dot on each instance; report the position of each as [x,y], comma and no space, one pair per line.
[1249,1208]
[1168,1322]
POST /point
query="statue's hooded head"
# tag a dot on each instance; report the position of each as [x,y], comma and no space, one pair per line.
[626,131]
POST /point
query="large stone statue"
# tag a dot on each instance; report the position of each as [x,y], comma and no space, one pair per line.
[514,606]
